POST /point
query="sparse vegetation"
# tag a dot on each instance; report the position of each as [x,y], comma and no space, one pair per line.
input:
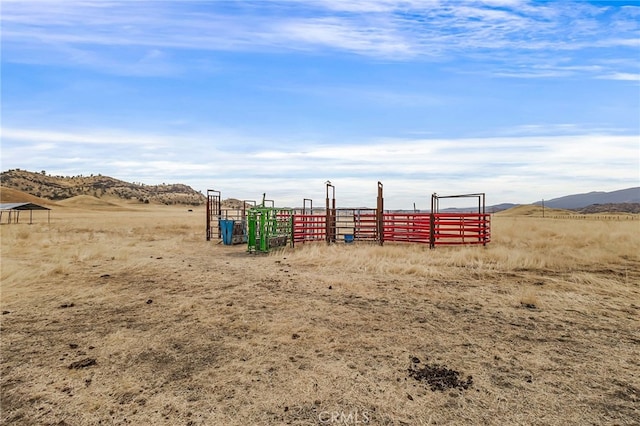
[60,188]
[129,316]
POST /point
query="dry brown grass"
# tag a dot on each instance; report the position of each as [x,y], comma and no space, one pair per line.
[185,331]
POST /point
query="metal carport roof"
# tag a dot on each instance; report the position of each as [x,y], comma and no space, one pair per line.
[22,206]
[16,208]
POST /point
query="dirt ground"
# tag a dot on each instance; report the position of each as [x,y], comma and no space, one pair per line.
[131,317]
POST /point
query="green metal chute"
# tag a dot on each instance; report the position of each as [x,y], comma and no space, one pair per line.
[268,227]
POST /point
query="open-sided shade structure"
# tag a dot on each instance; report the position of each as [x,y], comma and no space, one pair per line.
[12,211]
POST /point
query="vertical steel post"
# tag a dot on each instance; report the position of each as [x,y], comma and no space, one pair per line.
[331,214]
[327,228]
[218,202]
[380,215]
[208,218]
[484,222]
[293,228]
[263,230]
[432,221]
[334,217]
[480,218]
[251,225]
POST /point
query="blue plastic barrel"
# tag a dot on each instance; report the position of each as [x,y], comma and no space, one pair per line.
[226,229]
[348,238]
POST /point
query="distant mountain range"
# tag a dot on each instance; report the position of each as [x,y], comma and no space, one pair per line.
[579,201]
[624,200]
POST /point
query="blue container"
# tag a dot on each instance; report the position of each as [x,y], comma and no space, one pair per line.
[226,229]
[348,238]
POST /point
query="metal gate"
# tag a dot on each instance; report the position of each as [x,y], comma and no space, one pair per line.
[214,211]
[309,227]
[407,227]
[460,228]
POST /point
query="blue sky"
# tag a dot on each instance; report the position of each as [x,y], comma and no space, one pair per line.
[522,100]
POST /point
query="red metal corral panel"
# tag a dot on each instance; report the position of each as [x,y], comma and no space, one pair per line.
[406,227]
[447,228]
[461,228]
[308,227]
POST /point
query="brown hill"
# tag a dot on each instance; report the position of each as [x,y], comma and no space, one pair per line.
[62,187]
[533,210]
[88,201]
[234,203]
[10,195]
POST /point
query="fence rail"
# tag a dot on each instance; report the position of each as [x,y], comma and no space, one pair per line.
[424,228]
[407,227]
[309,227]
[454,228]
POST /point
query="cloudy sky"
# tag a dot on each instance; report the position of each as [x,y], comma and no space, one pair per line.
[523,100]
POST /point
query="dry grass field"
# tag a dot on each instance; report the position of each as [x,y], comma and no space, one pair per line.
[128,316]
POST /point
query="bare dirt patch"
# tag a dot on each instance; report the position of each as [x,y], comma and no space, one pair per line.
[438,377]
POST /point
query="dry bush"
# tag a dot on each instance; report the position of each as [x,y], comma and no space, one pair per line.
[529,299]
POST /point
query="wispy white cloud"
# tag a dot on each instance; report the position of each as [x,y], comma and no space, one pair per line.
[508,169]
[361,5]
[363,94]
[108,138]
[559,129]
[389,30]
[373,39]
[624,76]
